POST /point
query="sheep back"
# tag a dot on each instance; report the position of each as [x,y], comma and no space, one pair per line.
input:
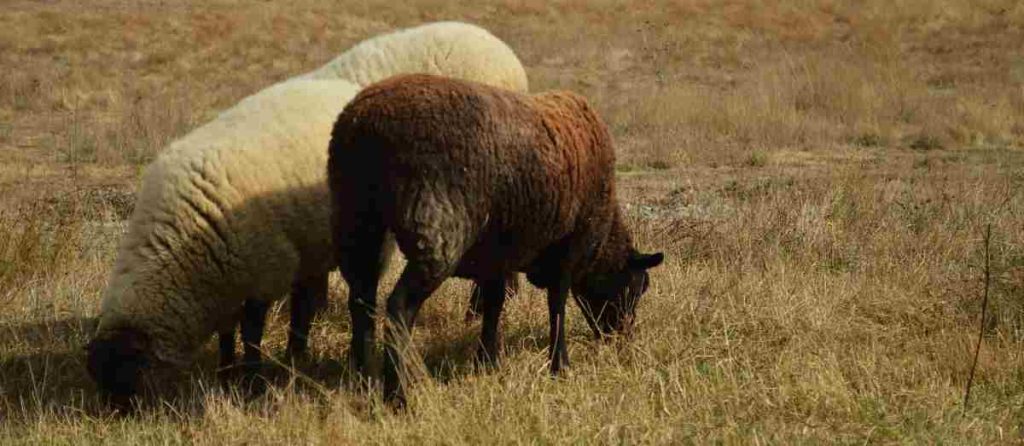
[486,178]
[452,49]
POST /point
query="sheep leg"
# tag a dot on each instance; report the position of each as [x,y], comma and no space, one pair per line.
[253,322]
[356,245]
[493,300]
[226,342]
[557,295]
[413,288]
[306,297]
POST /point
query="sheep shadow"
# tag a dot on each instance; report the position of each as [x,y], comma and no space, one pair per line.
[47,374]
[455,357]
[43,373]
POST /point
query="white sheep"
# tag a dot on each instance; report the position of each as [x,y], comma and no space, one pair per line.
[235,214]
[232,211]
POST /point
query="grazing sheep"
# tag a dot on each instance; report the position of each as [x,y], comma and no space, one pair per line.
[451,49]
[478,182]
[232,216]
[229,213]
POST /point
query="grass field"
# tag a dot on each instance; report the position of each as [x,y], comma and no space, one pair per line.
[820,174]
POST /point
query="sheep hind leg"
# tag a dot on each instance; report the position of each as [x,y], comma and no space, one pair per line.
[363,250]
[253,323]
[414,286]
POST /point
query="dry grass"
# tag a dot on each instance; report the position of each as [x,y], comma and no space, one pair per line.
[819,173]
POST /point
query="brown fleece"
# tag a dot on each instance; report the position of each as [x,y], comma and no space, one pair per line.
[476,181]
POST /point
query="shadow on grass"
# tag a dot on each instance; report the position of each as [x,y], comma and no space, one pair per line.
[450,359]
[43,367]
[43,372]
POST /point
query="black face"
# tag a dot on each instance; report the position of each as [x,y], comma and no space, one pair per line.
[611,299]
[116,365]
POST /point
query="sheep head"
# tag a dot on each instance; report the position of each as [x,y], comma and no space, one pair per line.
[609,300]
[115,363]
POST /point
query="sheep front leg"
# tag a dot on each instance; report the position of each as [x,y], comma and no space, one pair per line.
[492,301]
[226,343]
[308,296]
[557,295]
[253,323]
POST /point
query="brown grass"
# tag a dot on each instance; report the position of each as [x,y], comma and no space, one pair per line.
[819,172]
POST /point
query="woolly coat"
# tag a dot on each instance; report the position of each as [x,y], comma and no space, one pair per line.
[476,181]
[238,208]
[234,210]
[451,49]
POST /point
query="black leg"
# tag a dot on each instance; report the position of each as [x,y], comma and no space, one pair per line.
[412,289]
[226,341]
[253,322]
[362,305]
[305,295]
[355,250]
[493,300]
[558,354]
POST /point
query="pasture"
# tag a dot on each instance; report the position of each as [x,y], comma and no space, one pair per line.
[821,175]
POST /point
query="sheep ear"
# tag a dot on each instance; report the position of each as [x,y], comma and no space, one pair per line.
[646,261]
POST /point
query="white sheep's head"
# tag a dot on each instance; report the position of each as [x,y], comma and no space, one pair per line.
[115,362]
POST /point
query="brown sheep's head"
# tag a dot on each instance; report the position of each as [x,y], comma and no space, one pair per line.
[609,300]
[115,363]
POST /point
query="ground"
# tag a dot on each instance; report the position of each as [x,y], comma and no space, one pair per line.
[821,175]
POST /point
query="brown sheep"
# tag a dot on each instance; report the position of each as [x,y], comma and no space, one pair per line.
[478,182]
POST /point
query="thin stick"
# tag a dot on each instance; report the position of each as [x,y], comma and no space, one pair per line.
[981,324]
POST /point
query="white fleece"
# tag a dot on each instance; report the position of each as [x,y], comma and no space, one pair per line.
[231,211]
[452,49]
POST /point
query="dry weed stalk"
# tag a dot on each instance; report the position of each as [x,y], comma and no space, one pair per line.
[981,322]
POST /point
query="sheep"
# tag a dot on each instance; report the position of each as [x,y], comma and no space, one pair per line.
[226,214]
[453,49]
[228,218]
[478,182]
